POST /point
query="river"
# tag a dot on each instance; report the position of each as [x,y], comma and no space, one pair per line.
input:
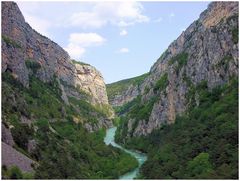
[141,158]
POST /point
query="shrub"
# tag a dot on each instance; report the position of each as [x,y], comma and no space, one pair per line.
[121,86]
[127,106]
[44,99]
[79,62]
[162,83]
[235,35]
[181,58]
[105,109]
[15,173]
[199,166]
[8,78]
[11,42]
[21,134]
[142,111]
[33,65]
[146,90]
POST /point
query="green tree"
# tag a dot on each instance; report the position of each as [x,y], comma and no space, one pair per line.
[199,166]
[15,173]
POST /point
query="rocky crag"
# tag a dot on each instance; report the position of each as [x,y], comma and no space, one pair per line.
[34,67]
[207,51]
[124,91]
[26,52]
[22,45]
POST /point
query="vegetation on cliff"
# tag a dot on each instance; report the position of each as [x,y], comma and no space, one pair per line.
[120,86]
[64,149]
[55,110]
[203,143]
[11,42]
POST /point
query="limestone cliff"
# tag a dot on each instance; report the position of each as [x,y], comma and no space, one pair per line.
[206,51]
[124,91]
[22,47]
[41,85]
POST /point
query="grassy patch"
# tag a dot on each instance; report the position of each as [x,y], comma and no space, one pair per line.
[79,62]
[11,42]
[181,59]
[162,83]
[14,172]
[121,86]
[142,111]
[33,65]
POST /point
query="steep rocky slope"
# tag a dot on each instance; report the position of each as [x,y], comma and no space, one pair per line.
[185,116]
[207,51]
[13,157]
[124,91]
[26,53]
[55,110]
[23,47]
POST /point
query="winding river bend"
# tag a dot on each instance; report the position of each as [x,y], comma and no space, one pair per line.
[141,158]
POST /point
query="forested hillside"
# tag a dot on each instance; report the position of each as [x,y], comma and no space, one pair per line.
[54,110]
[185,113]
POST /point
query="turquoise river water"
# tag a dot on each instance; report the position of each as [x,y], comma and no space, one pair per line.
[141,158]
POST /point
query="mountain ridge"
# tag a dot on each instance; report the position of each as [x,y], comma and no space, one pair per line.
[55,110]
[49,58]
[206,50]
[185,115]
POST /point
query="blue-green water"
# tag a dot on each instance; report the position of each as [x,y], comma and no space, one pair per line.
[141,158]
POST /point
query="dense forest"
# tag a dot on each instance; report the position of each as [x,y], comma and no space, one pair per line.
[203,143]
[65,150]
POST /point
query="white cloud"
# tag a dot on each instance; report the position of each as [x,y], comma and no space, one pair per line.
[75,51]
[158,20]
[123,50]
[123,33]
[86,39]
[86,20]
[78,42]
[171,15]
[39,24]
[116,13]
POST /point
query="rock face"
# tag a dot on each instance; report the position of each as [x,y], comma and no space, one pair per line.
[91,81]
[124,91]
[206,51]
[125,96]
[21,45]
[27,54]
[7,136]
[11,157]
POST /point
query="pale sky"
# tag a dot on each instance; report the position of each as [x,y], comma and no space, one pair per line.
[121,39]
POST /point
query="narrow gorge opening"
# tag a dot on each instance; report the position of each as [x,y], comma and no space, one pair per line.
[177,121]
